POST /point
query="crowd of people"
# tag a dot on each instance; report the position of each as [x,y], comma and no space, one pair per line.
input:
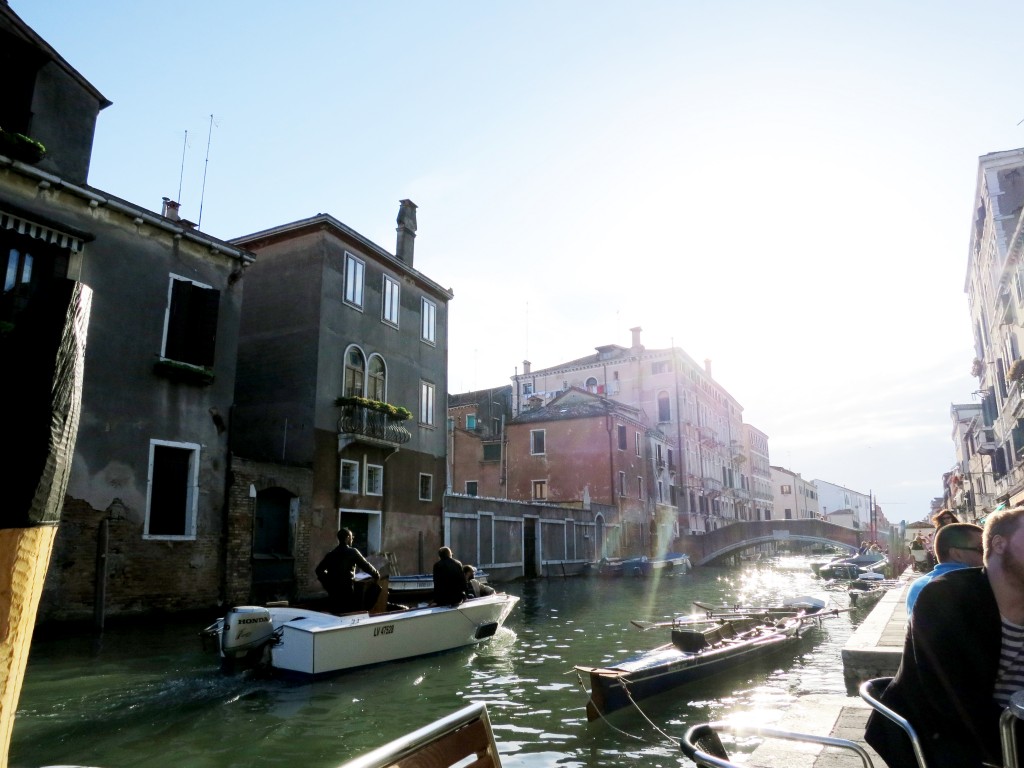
[963,656]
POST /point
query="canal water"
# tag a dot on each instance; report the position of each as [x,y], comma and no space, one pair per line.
[150,695]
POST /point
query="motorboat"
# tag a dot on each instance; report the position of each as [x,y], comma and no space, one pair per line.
[852,567]
[698,649]
[673,562]
[418,587]
[308,642]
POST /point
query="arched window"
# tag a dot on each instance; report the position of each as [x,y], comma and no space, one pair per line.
[355,372]
[664,408]
[376,382]
[591,385]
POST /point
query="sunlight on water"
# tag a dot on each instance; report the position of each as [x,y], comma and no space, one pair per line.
[151,697]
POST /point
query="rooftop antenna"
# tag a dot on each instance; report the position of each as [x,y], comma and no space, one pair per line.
[181,174]
[206,164]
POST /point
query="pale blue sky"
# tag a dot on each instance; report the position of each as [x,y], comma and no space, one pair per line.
[785,188]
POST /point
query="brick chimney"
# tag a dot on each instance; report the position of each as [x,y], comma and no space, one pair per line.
[406,231]
[170,209]
[526,367]
[636,345]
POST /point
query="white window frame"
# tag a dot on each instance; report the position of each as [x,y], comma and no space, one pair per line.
[430,489]
[639,486]
[543,484]
[470,421]
[428,324]
[390,301]
[355,280]
[639,443]
[167,308]
[354,469]
[533,442]
[373,479]
[476,484]
[192,499]
[426,404]
[622,484]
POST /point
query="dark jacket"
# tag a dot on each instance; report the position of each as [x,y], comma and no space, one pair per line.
[449,583]
[338,568]
[944,683]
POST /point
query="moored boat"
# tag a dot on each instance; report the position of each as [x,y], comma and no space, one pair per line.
[698,650]
[673,562]
[309,643]
[418,587]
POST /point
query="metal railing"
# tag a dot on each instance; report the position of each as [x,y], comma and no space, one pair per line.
[366,422]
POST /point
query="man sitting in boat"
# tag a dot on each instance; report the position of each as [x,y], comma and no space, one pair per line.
[957,545]
[338,569]
[449,582]
[473,586]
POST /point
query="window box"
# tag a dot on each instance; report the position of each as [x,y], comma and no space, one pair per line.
[17,146]
[396,412]
[184,373]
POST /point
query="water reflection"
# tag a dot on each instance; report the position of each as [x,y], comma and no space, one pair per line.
[149,696]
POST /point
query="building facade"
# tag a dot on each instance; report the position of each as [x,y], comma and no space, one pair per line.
[970,488]
[700,420]
[476,442]
[143,518]
[342,382]
[794,497]
[995,294]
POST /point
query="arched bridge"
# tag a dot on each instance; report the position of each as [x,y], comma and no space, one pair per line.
[739,536]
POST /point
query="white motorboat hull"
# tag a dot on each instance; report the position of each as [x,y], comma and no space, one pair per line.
[314,643]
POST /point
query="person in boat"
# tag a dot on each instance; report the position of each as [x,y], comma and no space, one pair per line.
[962,660]
[473,586]
[957,546]
[337,571]
[449,581]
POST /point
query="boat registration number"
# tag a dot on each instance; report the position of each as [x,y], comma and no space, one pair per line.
[387,629]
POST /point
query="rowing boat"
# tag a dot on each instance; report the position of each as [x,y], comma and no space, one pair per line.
[694,653]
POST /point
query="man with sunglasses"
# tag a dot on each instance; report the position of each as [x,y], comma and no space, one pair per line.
[957,545]
[962,659]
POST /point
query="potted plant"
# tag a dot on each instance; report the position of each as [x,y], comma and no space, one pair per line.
[1016,372]
[396,412]
[21,147]
[977,367]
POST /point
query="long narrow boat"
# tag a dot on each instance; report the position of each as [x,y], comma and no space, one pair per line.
[309,643]
[674,562]
[695,653]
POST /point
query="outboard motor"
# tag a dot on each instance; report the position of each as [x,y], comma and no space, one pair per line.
[247,629]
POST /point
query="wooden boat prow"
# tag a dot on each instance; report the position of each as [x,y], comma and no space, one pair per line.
[463,738]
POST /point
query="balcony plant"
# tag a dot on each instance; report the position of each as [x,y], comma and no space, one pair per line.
[977,367]
[1016,372]
[21,147]
[396,412]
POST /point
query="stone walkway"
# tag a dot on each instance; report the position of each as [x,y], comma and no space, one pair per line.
[874,650]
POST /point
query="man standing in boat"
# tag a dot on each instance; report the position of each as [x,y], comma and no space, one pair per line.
[338,569]
[449,583]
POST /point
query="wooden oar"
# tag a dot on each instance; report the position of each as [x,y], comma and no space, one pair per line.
[43,354]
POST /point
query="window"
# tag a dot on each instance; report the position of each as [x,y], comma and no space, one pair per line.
[354,269]
[374,480]
[173,490]
[639,487]
[349,476]
[355,369]
[190,322]
[786,489]
[540,489]
[426,403]
[591,385]
[492,451]
[789,514]
[536,441]
[639,443]
[428,321]
[470,421]
[661,366]
[527,388]
[426,487]
[471,487]
[390,301]
[622,436]
[377,379]
[622,483]
[661,492]
[664,407]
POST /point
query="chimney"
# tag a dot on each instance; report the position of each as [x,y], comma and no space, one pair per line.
[707,367]
[406,231]
[636,346]
[170,209]
[526,367]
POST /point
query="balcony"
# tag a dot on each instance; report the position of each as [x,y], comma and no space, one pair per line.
[370,421]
